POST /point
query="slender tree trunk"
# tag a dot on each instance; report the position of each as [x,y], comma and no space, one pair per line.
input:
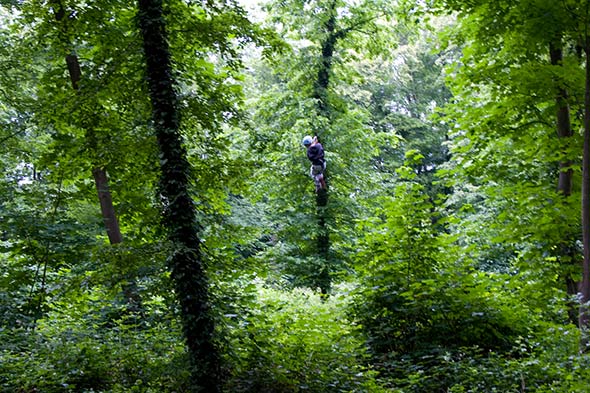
[106,206]
[323,78]
[323,245]
[565,179]
[564,128]
[101,181]
[100,177]
[321,95]
[179,215]
[585,286]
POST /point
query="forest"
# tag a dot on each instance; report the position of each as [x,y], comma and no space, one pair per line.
[160,229]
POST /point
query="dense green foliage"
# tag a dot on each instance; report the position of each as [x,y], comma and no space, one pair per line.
[452,231]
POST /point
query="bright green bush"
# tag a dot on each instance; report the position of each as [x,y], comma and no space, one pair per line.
[433,323]
[295,341]
[466,332]
[447,312]
[78,347]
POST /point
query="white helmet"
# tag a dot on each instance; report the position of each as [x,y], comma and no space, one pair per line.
[307,140]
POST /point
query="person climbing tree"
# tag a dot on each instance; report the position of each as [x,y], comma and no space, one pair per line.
[315,154]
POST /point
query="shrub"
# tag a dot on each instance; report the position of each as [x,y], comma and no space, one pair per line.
[79,349]
[295,341]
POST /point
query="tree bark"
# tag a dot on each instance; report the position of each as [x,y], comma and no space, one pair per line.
[323,242]
[178,210]
[107,208]
[564,128]
[565,178]
[101,181]
[323,78]
[585,285]
[100,177]
[320,93]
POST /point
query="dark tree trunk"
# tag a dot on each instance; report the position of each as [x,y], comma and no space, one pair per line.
[564,128]
[323,242]
[585,286]
[179,215]
[323,79]
[567,254]
[322,82]
[321,95]
[106,206]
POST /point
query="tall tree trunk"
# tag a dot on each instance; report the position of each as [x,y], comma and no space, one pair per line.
[567,254]
[324,280]
[179,215]
[585,286]
[107,208]
[320,93]
[564,128]
[323,78]
[99,173]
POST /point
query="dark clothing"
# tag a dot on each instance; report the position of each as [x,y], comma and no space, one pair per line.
[315,153]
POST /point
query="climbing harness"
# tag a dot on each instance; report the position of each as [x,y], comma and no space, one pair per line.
[317,174]
[315,153]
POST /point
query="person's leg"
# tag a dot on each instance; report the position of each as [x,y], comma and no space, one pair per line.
[322,181]
[317,174]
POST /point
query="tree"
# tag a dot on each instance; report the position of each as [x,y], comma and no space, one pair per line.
[518,94]
[420,297]
[326,37]
[406,93]
[76,123]
[178,212]
[585,285]
[98,172]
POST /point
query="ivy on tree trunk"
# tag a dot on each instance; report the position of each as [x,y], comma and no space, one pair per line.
[321,95]
[323,106]
[585,286]
[179,216]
